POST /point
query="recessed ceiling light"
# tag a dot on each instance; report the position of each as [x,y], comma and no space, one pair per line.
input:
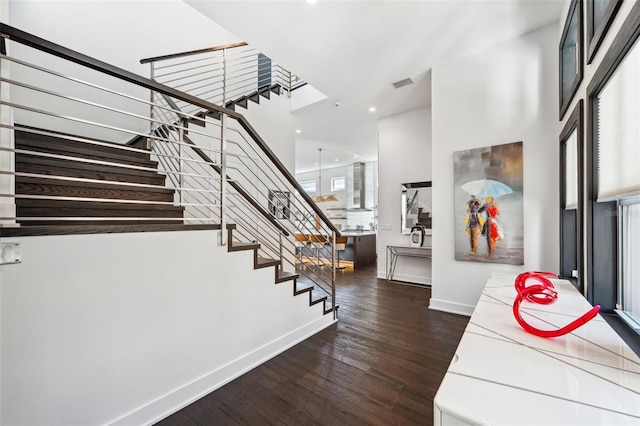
[335,159]
[298,131]
[372,109]
[315,164]
[311,1]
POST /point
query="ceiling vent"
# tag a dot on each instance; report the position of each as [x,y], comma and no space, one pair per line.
[398,84]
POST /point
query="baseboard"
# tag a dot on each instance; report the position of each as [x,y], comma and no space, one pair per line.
[179,398]
[451,307]
[415,279]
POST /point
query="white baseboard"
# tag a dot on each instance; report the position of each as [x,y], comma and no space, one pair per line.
[179,398]
[451,307]
[415,279]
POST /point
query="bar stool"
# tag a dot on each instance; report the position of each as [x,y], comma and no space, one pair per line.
[300,243]
[341,245]
[318,242]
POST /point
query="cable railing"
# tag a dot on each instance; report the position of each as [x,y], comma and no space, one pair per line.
[173,152]
[222,75]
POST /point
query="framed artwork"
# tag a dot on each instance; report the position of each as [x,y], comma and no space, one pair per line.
[570,60]
[280,204]
[488,209]
[600,14]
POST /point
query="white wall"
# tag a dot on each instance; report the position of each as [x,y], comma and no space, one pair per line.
[404,155]
[504,94]
[126,328]
[116,32]
[274,123]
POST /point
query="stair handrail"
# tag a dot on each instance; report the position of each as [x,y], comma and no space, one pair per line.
[38,43]
[192,52]
[228,81]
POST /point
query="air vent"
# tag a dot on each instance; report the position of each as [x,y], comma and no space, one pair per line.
[400,83]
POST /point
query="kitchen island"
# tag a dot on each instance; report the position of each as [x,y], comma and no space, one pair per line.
[361,248]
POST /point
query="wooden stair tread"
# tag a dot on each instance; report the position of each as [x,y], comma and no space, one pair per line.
[52,145]
[103,184]
[243,246]
[27,231]
[262,262]
[124,205]
[49,166]
[282,276]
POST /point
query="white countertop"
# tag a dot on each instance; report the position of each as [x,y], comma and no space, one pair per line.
[503,375]
[357,233]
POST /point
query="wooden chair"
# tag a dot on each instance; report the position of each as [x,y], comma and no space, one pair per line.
[341,245]
[318,242]
[301,241]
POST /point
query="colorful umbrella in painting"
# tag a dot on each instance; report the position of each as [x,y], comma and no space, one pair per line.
[486,188]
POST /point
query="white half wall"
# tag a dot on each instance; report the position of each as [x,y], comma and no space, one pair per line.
[127,328]
[504,94]
[404,155]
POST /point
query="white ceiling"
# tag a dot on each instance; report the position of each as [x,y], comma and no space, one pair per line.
[353,50]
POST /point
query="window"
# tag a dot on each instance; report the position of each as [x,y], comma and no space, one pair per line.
[309,186]
[600,14]
[629,287]
[570,60]
[571,204]
[613,166]
[338,184]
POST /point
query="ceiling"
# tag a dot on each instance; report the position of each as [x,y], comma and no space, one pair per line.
[353,51]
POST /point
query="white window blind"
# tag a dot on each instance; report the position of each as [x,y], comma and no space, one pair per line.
[571,171]
[618,131]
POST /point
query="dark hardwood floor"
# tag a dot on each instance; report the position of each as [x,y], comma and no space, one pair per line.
[380,365]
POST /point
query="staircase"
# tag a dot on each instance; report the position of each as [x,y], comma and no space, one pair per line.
[62,181]
[189,164]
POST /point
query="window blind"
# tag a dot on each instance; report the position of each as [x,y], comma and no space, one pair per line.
[571,171]
[618,131]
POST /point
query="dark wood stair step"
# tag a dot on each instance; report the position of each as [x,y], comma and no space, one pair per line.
[95,228]
[254,97]
[102,222]
[242,102]
[60,188]
[262,262]
[265,92]
[242,246]
[56,208]
[276,88]
[66,139]
[282,276]
[69,148]
[58,167]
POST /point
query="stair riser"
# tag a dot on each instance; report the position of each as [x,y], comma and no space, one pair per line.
[113,212]
[69,145]
[31,164]
[100,222]
[90,192]
[86,152]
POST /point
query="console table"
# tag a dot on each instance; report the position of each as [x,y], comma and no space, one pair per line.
[394,252]
[502,375]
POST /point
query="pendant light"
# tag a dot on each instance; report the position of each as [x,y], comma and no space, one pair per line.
[320,198]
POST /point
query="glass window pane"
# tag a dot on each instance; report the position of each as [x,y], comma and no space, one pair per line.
[309,186]
[571,171]
[338,184]
[631,261]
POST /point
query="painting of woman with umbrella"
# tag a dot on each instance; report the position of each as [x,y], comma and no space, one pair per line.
[482,176]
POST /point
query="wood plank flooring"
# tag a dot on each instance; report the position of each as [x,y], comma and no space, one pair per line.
[380,365]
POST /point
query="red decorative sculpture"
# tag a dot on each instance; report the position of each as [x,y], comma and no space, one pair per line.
[543,293]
